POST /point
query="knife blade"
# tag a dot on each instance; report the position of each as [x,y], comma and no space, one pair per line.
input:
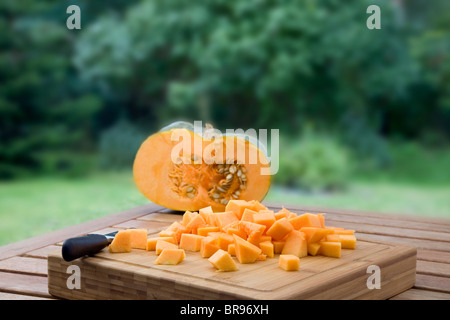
[78,247]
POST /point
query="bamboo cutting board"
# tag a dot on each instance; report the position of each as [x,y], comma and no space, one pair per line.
[135,276]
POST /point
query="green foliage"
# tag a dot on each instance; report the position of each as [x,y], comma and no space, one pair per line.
[119,144]
[313,162]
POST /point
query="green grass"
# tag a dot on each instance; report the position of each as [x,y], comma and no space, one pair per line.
[378,196]
[32,207]
[36,206]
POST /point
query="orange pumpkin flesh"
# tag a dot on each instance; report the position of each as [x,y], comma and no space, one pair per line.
[199,176]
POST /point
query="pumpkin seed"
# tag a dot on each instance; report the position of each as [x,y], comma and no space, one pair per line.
[189,189]
[229,177]
[243,170]
[220,189]
[237,192]
[190,195]
[232,169]
[216,195]
[235,196]
[242,186]
[239,173]
[224,201]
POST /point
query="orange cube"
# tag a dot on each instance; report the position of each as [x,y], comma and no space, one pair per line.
[295,244]
[314,234]
[348,241]
[208,247]
[121,242]
[289,262]
[225,218]
[196,222]
[161,245]
[191,242]
[170,256]
[253,230]
[203,231]
[248,215]
[267,248]
[232,249]
[151,242]
[278,246]
[266,218]
[305,220]
[224,241]
[256,205]
[138,238]
[313,248]
[238,207]
[223,261]
[280,229]
[245,251]
[330,249]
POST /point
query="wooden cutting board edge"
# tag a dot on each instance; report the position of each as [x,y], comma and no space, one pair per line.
[109,280]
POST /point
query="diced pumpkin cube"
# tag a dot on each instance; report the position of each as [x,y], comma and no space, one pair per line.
[333,238]
[224,241]
[208,247]
[170,256]
[253,230]
[344,232]
[248,215]
[214,234]
[280,229]
[239,232]
[321,219]
[169,233]
[313,248]
[203,231]
[188,216]
[191,242]
[283,213]
[138,238]
[348,241]
[121,242]
[196,222]
[314,234]
[245,251]
[205,212]
[289,262]
[267,248]
[256,205]
[151,242]
[238,207]
[295,244]
[178,228]
[330,249]
[305,220]
[225,218]
[232,249]
[266,218]
[161,245]
[278,246]
[223,261]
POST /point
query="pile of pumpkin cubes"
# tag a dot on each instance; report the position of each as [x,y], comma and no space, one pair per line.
[249,231]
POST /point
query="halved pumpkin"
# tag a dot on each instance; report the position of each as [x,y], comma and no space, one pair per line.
[181,169]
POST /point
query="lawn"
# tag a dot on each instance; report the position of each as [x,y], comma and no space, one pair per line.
[32,207]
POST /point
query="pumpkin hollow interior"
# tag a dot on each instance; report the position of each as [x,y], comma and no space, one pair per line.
[190,173]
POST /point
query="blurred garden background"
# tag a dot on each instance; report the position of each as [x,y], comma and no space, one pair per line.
[364,115]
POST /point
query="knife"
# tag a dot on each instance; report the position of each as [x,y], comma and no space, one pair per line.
[78,247]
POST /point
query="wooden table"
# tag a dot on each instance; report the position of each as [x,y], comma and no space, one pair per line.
[23,265]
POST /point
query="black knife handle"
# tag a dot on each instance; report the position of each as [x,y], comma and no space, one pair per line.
[78,247]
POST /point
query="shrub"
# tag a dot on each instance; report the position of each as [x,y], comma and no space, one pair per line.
[314,162]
